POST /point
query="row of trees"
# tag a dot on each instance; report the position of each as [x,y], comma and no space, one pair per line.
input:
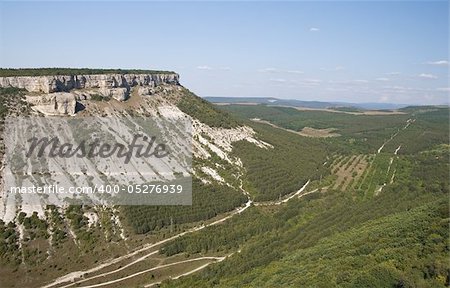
[283,169]
[398,238]
[208,200]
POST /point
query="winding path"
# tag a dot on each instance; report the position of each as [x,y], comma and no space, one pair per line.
[155,268]
[73,276]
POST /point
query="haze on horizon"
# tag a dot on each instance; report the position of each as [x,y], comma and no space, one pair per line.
[387,52]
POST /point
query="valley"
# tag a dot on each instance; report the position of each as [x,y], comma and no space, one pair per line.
[270,206]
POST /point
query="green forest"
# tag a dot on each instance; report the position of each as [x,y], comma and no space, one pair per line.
[360,133]
[274,172]
[353,237]
[396,239]
[208,201]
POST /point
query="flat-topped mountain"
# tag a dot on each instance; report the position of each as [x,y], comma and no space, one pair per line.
[56,90]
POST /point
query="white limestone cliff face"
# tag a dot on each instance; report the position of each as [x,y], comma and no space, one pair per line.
[58,94]
[65,83]
[60,103]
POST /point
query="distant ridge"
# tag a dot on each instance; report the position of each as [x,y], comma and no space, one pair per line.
[300,103]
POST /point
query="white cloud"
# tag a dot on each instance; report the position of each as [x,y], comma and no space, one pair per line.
[427,76]
[393,73]
[295,72]
[276,70]
[314,29]
[340,89]
[337,68]
[382,79]
[278,80]
[445,89]
[348,82]
[438,63]
[384,98]
[204,67]
[309,80]
[268,70]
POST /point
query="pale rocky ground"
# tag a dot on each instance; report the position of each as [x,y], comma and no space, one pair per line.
[155,97]
[199,139]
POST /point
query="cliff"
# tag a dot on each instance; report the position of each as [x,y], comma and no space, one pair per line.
[65,83]
[57,94]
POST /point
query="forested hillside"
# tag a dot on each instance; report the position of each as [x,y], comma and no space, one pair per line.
[388,228]
[398,238]
[208,201]
[273,173]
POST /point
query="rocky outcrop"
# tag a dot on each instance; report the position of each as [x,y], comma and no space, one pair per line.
[120,94]
[59,103]
[58,94]
[61,83]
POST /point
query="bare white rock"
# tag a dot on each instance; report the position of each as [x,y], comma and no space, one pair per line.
[60,83]
[120,94]
[60,103]
[145,91]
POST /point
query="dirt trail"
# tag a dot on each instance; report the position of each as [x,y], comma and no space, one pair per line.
[113,271]
[153,269]
[71,277]
[279,202]
[78,274]
[306,131]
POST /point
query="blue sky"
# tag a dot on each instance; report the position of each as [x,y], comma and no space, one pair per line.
[380,51]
